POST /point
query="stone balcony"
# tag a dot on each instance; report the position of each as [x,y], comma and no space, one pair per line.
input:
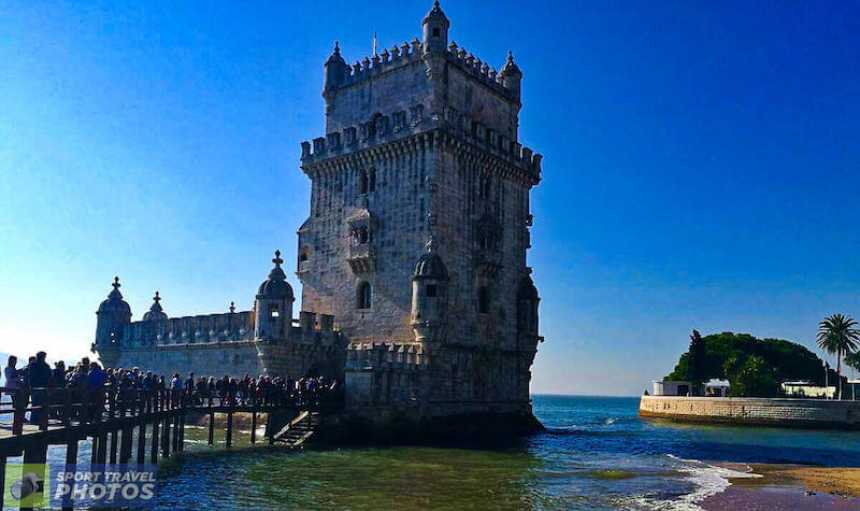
[361,258]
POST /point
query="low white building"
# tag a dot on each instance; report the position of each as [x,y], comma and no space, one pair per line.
[672,388]
[808,389]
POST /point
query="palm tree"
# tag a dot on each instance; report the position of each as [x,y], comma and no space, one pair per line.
[837,335]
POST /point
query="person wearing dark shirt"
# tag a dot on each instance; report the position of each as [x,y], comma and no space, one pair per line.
[39,375]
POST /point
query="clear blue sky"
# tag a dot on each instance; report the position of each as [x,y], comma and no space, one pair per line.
[702,162]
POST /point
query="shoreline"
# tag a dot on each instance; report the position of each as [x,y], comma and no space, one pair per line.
[788,487]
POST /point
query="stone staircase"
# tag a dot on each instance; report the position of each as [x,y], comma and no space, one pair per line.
[298,430]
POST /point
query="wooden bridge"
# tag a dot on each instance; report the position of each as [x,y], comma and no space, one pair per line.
[110,418]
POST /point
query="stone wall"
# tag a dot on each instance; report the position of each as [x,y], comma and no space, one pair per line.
[235,358]
[811,413]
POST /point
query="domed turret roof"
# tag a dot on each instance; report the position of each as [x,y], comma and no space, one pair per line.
[511,68]
[335,57]
[430,265]
[276,286]
[156,312]
[436,14]
[114,302]
[527,289]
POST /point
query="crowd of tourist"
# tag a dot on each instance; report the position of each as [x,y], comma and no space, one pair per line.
[88,381]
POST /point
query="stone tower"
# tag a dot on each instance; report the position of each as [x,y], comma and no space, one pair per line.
[422,144]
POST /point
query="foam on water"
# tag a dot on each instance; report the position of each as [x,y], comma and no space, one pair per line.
[707,480]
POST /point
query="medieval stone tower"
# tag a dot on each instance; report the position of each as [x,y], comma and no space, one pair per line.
[416,292]
[419,227]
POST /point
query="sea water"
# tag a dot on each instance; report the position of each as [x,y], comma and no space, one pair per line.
[596,454]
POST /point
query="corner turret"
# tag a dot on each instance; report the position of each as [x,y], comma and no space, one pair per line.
[511,76]
[336,71]
[429,295]
[274,304]
[156,312]
[527,309]
[435,30]
[114,315]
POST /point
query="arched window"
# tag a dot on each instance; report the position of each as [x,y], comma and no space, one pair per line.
[484,300]
[363,235]
[364,296]
[371,180]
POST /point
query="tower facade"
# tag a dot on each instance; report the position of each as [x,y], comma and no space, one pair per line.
[422,147]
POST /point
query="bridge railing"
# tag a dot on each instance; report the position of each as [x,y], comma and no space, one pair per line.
[65,406]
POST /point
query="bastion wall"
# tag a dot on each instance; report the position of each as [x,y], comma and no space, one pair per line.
[810,413]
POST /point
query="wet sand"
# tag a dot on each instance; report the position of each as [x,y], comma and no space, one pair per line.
[790,488]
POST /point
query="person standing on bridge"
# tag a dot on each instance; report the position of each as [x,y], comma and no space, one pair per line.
[13,378]
[175,390]
[39,375]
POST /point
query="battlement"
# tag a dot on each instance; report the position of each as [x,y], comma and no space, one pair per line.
[385,355]
[374,65]
[408,53]
[382,129]
[223,327]
[479,70]
[229,326]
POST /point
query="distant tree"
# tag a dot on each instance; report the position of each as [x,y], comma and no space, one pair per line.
[853,360]
[696,359]
[754,378]
[838,335]
[727,352]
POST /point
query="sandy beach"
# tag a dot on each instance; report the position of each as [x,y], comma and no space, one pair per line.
[790,487]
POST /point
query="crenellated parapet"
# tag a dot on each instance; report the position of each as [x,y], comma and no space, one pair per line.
[404,126]
[386,355]
[204,328]
[377,130]
[405,54]
[371,66]
[482,71]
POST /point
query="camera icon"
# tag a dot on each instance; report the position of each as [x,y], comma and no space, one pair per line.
[28,485]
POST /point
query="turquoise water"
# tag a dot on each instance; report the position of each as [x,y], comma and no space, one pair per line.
[597,454]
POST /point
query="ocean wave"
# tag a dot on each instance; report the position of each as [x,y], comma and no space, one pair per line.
[707,480]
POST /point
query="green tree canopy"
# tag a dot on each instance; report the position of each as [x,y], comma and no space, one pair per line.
[726,357]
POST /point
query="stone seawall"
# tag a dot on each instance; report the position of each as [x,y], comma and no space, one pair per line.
[803,413]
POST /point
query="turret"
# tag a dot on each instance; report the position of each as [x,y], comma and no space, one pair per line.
[527,309]
[114,315]
[156,312]
[512,77]
[435,30]
[336,71]
[429,296]
[274,304]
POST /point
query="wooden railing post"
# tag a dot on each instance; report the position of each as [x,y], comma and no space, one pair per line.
[211,428]
[153,453]
[141,441]
[67,407]
[20,404]
[114,436]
